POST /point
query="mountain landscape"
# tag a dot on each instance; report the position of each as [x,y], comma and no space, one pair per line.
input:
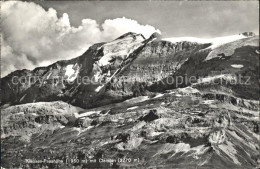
[137,102]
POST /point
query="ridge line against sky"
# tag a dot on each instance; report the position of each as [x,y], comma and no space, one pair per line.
[41,33]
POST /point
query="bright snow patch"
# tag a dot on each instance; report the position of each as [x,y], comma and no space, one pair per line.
[49,75]
[229,48]
[38,125]
[172,92]
[23,97]
[72,72]
[237,66]
[22,113]
[159,95]
[178,95]
[208,101]
[120,48]
[216,42]
[81,130]
[34,114]
[132,108]
[99,88]
[137,99]
[86,114]
[154,133]
[188,90]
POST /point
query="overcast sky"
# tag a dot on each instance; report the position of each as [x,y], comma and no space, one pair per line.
[173,18]
[43,33]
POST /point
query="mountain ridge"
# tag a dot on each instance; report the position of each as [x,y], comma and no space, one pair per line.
[104,60]
[94,63]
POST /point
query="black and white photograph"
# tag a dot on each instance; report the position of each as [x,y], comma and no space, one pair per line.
[130,84]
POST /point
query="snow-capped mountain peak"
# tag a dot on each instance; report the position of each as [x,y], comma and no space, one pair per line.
[120,48]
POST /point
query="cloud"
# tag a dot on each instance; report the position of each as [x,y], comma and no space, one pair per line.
[32,36]
[122,25]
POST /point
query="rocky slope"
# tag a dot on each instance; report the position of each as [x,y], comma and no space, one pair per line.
[27,119]
[175,129]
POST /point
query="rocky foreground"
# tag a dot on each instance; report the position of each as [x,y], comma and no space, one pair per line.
[175,129]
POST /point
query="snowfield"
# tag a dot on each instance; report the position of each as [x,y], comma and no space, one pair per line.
[216,42]
[132,108]
[231,44]
[120,48]
[85,114]
[72,72]
[99,88]
[237,66]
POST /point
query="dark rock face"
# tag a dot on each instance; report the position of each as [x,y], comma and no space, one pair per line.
[94,122]
[249,34]
[123,137]
[150,116]
[130,34]
[173,139]
[160,48]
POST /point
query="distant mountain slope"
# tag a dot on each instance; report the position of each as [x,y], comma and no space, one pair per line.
[234,59]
